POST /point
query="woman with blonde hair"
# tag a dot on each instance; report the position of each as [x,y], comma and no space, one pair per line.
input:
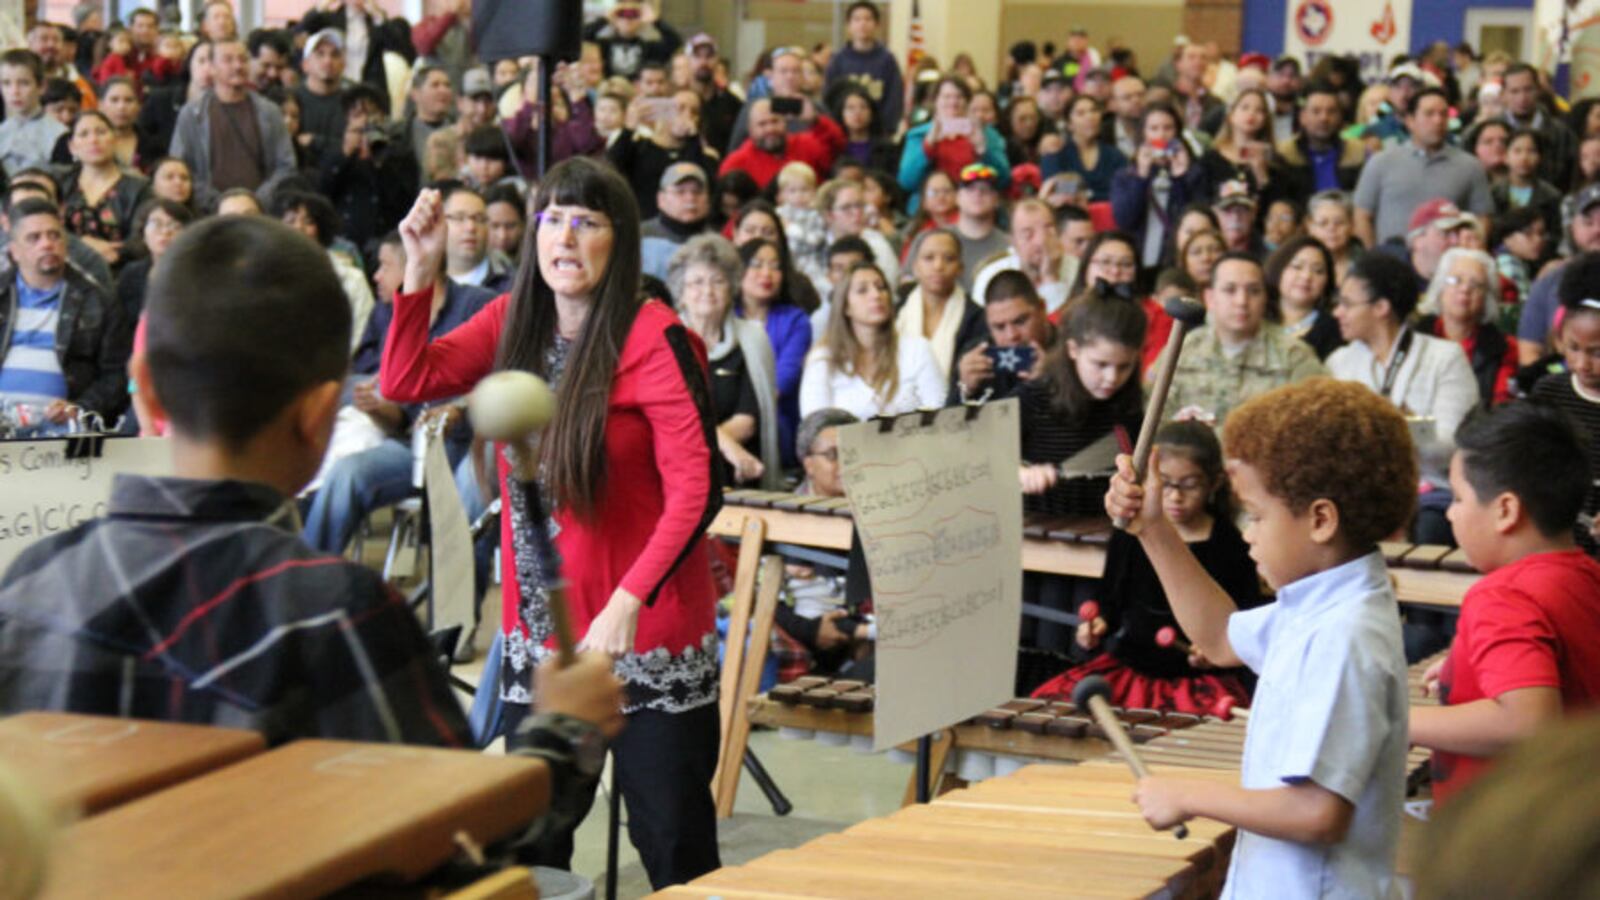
[1243,147]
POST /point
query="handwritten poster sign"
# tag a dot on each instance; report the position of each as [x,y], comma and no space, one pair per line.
[940,516]
[44,490]
[1371,30]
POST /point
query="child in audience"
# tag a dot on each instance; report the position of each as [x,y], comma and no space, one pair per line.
[1576,392]
[1527,646]
[1143,672]
[1324,471]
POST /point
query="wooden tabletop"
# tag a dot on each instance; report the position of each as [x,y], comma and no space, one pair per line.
[92,763]
[303,820]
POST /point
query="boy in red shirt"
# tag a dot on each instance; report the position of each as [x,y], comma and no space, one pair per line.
[1527,649]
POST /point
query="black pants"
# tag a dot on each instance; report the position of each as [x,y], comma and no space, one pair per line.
[664,764]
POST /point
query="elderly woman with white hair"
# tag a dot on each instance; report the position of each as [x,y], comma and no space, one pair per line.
[703,276]
[1330,218]
[1461,305]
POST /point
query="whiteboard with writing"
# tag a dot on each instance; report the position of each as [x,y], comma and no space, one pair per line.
[939,509]
[43,491]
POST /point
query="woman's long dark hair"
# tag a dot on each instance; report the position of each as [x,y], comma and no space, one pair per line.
[573,448]
[1278,263]
[1089,319]
[797,289]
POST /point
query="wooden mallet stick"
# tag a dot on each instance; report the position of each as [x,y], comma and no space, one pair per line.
[1225,708]
[1093,694]
[1186,315]
[510,407]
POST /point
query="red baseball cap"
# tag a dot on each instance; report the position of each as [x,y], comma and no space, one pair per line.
[1438,213]
[1258,60]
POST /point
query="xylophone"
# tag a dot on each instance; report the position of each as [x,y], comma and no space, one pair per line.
[1425,575]
[1042,832]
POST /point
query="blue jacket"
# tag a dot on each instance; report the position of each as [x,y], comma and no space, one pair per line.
[1098,179]
[789,331]
[1130,201]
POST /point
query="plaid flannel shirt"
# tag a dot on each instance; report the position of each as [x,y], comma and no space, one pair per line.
[196,601]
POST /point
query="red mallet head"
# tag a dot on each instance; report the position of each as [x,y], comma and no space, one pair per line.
[1167,637]
[1088,611]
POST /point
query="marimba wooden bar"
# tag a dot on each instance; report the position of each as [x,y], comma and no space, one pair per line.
[92,763]
[304,820]
[1425,575]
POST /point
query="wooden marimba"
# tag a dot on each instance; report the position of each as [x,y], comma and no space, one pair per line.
[1425,575]
[304,820]
[88,764]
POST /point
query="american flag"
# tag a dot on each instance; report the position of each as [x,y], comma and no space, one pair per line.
[916,49]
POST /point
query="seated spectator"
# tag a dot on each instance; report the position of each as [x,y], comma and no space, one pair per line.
[951,142]
[702,276]
[821,630]
[860,364]
[507,224]
[64,341]
[239,202]
[656,144]
[937,308]
[134,149]
[1236,208]
[937,206]
[1460,306]
[1330,218]
[1242,150]
[773,143]
[867,140]
[39,184]
[467,256]
[843,254]
[1237,354]
[1301,293]
[172,179]
[769,294]
[99,197]
[1519,241]
[313,216]
[977,226]
[28,135]
[845,213]
[1014,317]
[1199,254]
[351,488]
[1039,251]
[1282,221]
[155,227]
[1522,186]
[1436,226]
[1423,375]
[1085,152]
[1577,391]
[683,210]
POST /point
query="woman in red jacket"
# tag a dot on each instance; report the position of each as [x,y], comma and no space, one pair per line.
[627,467]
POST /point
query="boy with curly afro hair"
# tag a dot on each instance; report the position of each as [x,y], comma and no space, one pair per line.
[1323,470]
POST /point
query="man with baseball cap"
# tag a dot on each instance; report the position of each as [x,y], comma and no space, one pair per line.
[1404,177]
[1539,310]
[719,107]
[1236,212]
[683,208]
[1283,86]
[319,92]
[978,208]
[1435,227]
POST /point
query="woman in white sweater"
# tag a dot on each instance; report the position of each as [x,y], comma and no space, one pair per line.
[860,365]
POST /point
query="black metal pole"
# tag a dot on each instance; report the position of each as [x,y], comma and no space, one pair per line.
[763,779]
[924,763]
[546,75]
[613,833]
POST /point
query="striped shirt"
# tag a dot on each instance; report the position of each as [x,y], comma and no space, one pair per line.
[196,601]
[1561,391]
[31,372]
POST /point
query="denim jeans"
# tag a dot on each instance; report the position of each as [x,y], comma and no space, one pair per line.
[373,479]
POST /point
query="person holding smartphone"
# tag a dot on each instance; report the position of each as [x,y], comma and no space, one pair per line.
[950,142]
[1148,197]
[996,365]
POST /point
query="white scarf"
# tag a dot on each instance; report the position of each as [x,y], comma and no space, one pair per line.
[909,321]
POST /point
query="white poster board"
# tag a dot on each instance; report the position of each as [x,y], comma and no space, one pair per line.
[44,490]
[450,544]
[1371,30]
[939,510]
